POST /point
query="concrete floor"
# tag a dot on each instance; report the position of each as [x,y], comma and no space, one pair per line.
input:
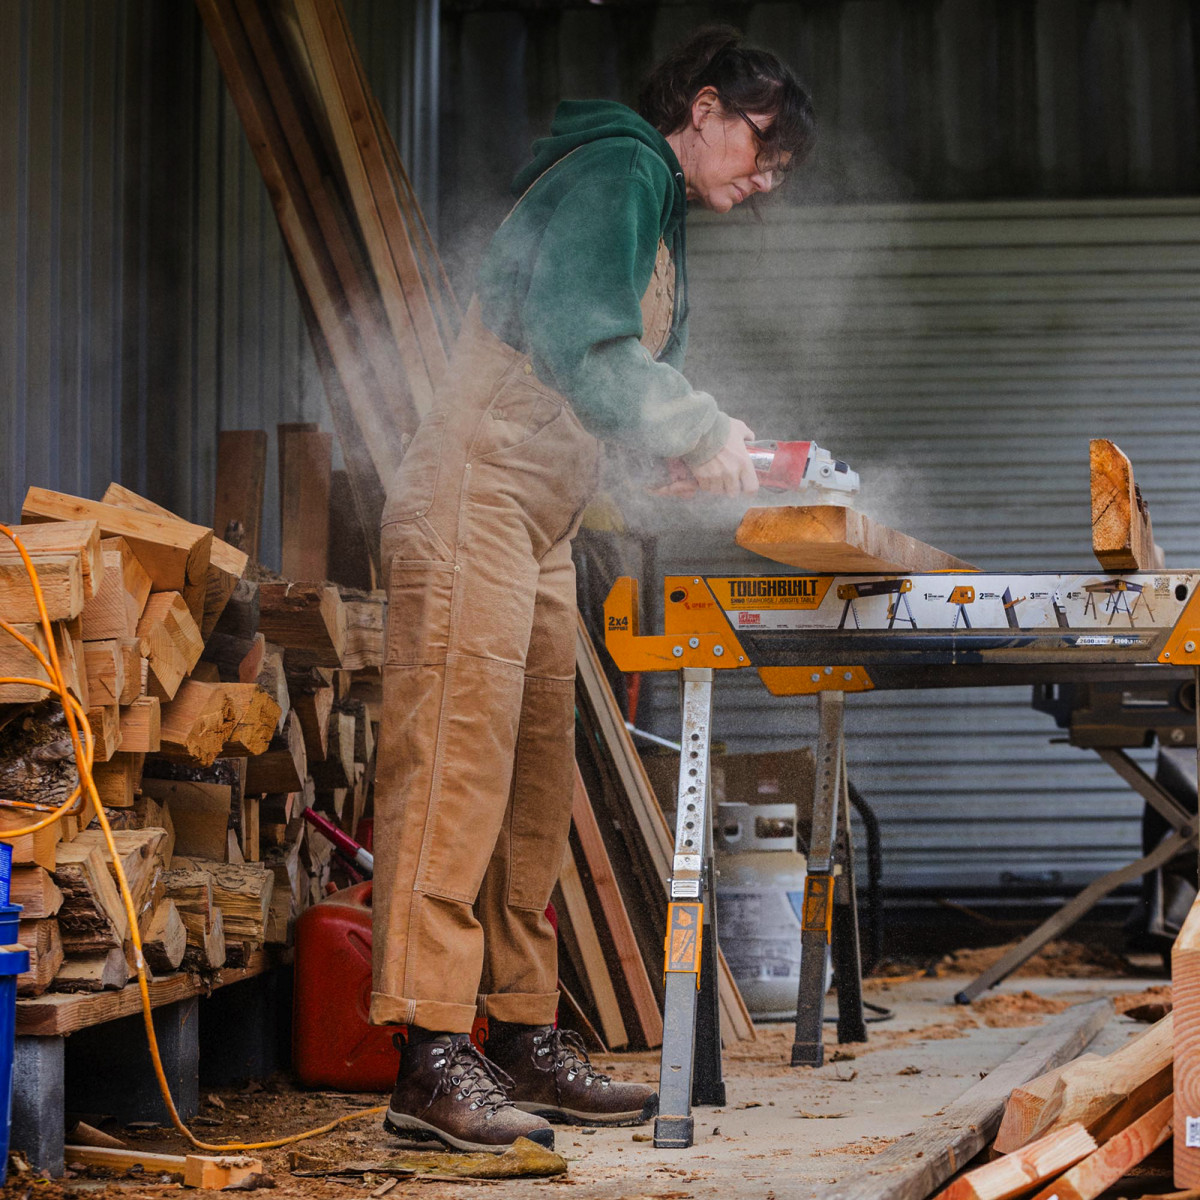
[789,1132]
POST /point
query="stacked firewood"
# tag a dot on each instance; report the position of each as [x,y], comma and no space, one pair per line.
[222,703]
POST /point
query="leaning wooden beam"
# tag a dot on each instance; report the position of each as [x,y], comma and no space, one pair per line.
[824,537]
[914,1167]
[1122,538]
[1185,992]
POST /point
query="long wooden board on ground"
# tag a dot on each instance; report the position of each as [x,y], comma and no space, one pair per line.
[1122,536]
[913,1167]
[826,537]
[1185,993]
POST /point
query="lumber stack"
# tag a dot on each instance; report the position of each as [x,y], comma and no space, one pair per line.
[186,658]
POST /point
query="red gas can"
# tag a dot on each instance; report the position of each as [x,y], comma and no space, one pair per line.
[332,1043]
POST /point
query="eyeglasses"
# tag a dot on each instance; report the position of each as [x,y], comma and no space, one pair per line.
[776,173]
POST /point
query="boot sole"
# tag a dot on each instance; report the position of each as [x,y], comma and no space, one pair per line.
[410,1128]
[570,1116]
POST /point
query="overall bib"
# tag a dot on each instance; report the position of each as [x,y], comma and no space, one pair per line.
[475,767]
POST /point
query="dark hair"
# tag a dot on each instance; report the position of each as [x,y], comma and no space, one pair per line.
[746,81]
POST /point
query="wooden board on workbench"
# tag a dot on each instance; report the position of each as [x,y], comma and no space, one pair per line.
[825,537]
[1122,536]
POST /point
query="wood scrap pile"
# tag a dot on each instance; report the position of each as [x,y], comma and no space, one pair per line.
[223,703]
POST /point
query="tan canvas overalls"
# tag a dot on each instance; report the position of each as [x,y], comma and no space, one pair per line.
[475,762]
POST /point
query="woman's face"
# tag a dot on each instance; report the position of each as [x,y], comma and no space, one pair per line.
[721,155]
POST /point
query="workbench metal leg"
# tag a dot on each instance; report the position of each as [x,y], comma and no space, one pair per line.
[689,927]
[847,955]
[39,1102]
[808,1049]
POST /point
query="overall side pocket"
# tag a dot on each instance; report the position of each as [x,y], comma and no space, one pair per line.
[412,491]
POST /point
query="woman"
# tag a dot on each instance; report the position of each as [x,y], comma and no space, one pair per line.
[577,334]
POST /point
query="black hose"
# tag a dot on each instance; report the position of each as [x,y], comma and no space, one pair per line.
[873,942]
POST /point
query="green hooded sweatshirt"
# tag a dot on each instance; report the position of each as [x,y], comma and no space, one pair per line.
[564,276]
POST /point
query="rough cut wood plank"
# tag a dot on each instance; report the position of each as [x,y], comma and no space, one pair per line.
[117,779]
[105,722]
[305,469]
[913,1167]
[30,849]
[114,610]
[1023,1112]
[1011,1174]
[283,767]
[164,940]
[174,552]
[73,539]
[92,916]
[172,640]
[199,814]
[824,537]
[18,663]
[105,667]
[1115,1159]
[1122,536]
[241,478]
[1185,992]
[93,972]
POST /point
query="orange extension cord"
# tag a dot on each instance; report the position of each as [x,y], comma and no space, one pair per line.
[84,743]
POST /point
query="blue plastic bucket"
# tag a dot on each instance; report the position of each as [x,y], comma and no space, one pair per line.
[9,924]
[14,961]
[5,872]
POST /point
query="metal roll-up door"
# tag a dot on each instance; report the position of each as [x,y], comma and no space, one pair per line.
[960,356]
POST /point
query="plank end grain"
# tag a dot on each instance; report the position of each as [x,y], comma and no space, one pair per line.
[1185,991]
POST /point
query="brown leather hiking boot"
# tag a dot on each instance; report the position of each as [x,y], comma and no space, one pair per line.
[552,1077]
[448,1092]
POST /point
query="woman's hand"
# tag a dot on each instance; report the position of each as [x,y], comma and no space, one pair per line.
[729,472]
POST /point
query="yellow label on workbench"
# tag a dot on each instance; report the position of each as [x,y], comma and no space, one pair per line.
[770,591]
[685,925]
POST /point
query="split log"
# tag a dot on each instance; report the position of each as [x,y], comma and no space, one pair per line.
[337,768]
[283,767]
[164,939]
[141,726]
[114,610]
[37,759]
[117,780]
[49,546]
[60,579]
[366,613]
[105,667]
[191,890]
[174,552]
[1185,992]
[1115,1159]
[134,668]
[307,619]
[17,662]
[105,722]
[226,564]
[1012,1174]
[272,678]
[198,722]
[35,891]
[93,972]
[30,849]
[172,639]
[243,894]
[312,701]
[240,615]
[824,537]
[199,814]
[1122,536]
[92,918]
[44,943]
[141,852]
[256,717]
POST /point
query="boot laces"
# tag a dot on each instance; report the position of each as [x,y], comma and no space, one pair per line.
[476,1079]
[564,1049]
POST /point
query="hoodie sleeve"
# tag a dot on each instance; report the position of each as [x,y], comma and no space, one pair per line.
[582,319]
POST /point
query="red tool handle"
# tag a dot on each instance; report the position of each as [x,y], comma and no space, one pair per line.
[342,841]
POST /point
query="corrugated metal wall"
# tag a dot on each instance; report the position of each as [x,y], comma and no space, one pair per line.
[960,356]
[146,298]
